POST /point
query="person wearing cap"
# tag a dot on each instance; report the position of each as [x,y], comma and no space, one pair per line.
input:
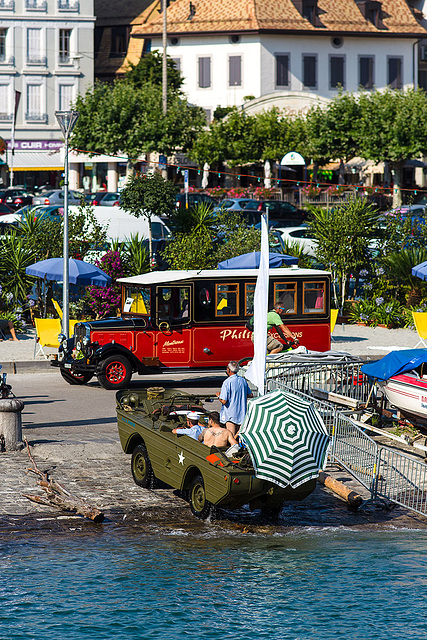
[233,396]
[194,428]
[274,319]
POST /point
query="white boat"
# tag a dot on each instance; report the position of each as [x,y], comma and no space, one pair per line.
[408,392]
[402,375]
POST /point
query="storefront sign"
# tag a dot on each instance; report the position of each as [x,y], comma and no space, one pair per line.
[37,145]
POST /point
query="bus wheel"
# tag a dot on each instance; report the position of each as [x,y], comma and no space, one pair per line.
[200,507]
[142,471]
[116,372]
[73,378]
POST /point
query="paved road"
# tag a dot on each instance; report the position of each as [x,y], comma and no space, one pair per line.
[74,436]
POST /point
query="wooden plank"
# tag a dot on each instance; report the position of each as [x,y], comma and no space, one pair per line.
[335,398]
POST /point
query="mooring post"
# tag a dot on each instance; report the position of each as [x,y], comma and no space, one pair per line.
[11,424]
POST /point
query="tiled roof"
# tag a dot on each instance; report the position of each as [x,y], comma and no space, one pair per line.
[336,16]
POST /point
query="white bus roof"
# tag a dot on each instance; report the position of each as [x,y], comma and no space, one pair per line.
[166,277]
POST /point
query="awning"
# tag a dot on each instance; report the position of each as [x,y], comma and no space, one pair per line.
[36,161]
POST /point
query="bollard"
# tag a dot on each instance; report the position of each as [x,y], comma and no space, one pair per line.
[11,423]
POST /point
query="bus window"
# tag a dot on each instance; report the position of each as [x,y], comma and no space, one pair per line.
[173,305]
[314,297]
[137,300]
[286,294]
[227,299]
[249,299]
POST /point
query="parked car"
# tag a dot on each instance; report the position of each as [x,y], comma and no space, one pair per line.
[284,212]
[16,197]
[193,199]
[106,199]
[5,209]
[56,196]
[234,204]
[300,236]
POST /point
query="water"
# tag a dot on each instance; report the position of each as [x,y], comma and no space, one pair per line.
[303,585]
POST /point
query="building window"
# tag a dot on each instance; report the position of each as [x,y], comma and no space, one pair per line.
[119,42]
[394,73]
[64,45]
[34,111]
[36,5]
[235,71]
[422,79]
[3,34]
[34,41]
[282,70]
[66,95]
[68,5]
[4,102]
[208,114]
[177,63]
[309,71]
[204,73]
[309,10]
[366,72]
[336,72]
[227,299]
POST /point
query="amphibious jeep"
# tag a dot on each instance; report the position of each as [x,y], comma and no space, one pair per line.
[205,474]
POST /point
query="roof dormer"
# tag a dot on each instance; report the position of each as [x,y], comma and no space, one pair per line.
[309,10]
[372,11]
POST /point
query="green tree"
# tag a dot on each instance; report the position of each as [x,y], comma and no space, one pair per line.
[15,257]
[331,130]
[126,119]
[393,128]
[343,238]
[149,70]
[148,195]
[399,266]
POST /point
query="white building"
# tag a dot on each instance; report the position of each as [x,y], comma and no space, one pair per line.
[229,51]
[46,54]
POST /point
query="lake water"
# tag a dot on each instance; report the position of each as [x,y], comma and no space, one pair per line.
[301,585]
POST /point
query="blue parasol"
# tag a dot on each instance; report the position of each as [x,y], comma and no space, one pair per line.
[251,261]
[420,271]
[80,272]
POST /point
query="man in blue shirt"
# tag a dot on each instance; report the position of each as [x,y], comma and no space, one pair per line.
[193,429]
[233,396]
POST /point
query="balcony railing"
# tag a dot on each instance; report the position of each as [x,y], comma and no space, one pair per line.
[36,5]
[68,5]
[7,4]
[5,117]
[40,61]
[35,117]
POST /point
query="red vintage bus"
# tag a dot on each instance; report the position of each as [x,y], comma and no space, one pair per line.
[192,319]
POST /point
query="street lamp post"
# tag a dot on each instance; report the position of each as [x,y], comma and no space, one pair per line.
[67,121]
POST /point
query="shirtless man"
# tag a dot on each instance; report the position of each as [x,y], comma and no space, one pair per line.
[215,434]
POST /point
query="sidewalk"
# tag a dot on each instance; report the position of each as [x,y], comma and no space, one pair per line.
[368,342]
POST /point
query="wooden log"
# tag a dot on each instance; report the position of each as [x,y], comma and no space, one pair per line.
[58,496]
[353,499]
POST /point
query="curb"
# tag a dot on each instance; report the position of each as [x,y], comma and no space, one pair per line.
[26,366]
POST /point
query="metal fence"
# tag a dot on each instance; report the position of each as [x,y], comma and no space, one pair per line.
[343,378]
[386,473]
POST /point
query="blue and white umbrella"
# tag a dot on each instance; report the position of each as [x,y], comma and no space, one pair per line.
[81,273]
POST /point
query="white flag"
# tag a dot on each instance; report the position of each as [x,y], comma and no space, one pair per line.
[256,370]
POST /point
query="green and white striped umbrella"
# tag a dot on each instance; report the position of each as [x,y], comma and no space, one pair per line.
[286,438]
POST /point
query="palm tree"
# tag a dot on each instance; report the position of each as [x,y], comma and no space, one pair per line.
[400,266]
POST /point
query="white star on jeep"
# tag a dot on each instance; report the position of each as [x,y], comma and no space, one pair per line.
[181,458]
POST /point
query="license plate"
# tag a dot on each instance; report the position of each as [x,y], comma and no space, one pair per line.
[67,365]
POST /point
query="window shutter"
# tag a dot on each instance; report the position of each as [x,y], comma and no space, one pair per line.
[177,63]
[65,96]
[4,102]
[33,44]
[33,99]
[336,71]
[366,72]
[235,71]
[309,71]
[395,73]
[282,71]
[204,73]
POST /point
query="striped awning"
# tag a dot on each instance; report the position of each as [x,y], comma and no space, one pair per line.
[37,161]
[286,438]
